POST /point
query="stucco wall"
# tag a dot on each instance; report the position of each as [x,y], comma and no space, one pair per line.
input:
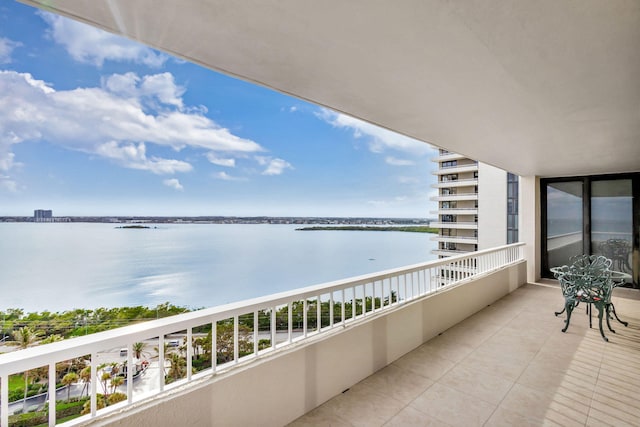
[279,389]
[492,207]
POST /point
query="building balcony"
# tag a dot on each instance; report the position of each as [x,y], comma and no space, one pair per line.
[456,183]
[447,155]
[473,167]
[508,364]
[450,252]
[455,239]
[455,197]
[455,225]
[305,363]
[454,211]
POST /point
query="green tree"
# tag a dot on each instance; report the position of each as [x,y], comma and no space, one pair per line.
[138,349]
[25,337]
[52,338]
[115,383]
[85,376]
[177,369]
[69,379]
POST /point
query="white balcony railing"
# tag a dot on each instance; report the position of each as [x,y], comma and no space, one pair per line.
[325,308]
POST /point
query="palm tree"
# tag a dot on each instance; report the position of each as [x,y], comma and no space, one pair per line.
[177,369]
[25,337]
[85,376]
[115,382]
[138,348]
[69,379]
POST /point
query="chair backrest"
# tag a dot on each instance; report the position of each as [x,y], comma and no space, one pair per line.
[592,264]
[588,278]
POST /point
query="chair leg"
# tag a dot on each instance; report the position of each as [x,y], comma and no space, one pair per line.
[569,306]
[558,313]
[613,309]
[608,316]
[601,309]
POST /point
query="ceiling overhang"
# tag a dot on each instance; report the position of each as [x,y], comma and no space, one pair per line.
[548,88]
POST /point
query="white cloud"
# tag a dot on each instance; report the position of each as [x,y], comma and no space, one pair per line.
[134,157]
[94,46]
[293,109]
[378,139]
[116,121]
[173,183]
[226,177]
[154,90]
[398,162]
[6,48]
[273,166]
[213,158]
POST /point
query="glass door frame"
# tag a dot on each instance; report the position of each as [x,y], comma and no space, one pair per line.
[586,214]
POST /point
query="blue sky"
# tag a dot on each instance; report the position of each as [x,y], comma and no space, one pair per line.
[94,124]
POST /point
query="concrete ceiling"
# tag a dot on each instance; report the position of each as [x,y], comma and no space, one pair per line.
[545,87]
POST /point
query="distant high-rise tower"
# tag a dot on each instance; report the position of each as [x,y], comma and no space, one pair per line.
[477,205]
[41,215]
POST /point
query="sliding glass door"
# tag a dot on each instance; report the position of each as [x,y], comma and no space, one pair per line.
[612,223]
[598,215]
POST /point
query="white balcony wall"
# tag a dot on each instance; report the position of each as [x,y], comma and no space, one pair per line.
[492,205]
[455,211]
[278,389]
[530,225]
[456,197]
[457,169]
[455,225]
[446,157]
[467,182]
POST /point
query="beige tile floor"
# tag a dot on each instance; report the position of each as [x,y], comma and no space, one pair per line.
[508,365]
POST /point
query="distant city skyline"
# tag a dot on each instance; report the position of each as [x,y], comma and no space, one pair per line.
[94,124]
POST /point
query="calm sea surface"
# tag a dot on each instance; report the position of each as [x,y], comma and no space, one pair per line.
[84,265]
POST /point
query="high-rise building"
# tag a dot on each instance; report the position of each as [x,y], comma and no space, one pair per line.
[476,204]
[42,215]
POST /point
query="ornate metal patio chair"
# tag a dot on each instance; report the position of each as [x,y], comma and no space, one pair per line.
[592,287]
[582,264]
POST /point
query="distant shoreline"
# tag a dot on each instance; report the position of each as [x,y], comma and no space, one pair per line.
[407,229]
[147,220]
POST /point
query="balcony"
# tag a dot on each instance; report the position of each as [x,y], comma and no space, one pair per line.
[471,167]
[451,252]
[508,364]
[456,183]
[454,197]
[454,211]
[446,155]
[455,239]
[305,364]
[455,225]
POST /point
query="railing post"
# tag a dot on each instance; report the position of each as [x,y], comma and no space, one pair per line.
[290,322]
[52,394]
[256,339]
[273,328]
[130,369]
[214,343]
[161,361]
[304,317]
[331,310]
[235,339]
[318,313]
[4,400]
[94,384]
[343,309]
[189,353]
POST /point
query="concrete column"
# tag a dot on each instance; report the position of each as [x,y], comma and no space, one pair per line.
[529,224]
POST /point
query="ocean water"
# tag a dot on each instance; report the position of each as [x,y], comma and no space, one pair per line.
[61,266]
